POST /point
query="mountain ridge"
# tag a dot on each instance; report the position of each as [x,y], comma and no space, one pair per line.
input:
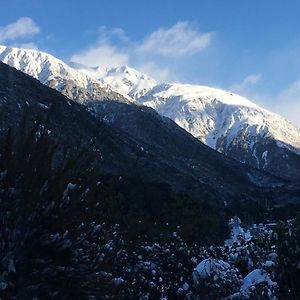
[228,123]
[56,74]
[159,157]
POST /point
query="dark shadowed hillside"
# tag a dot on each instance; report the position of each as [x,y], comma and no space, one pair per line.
[160,152]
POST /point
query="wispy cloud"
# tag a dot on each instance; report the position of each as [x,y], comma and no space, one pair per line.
[104,55]
[154,54]
[108,34]
[29,45]
[248,82]
[22,28]
[181,39]
[104,52]
[159,73]
[288,103]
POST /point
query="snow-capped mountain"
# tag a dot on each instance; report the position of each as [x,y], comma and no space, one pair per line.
[125,80]
[57,74]
[224,121]
[218,117]
[42,66]
[151,147]
[230,124]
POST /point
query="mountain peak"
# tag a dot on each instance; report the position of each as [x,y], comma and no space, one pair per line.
[55,73]
[40,65]
[129,81]
[226,122]
[230,124]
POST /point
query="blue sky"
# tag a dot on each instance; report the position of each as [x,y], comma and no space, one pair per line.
[251,47]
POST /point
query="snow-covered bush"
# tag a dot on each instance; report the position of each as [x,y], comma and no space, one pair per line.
[258,285]
[286,241]
[161,269]
[215,279]
[59,238]
[49,247]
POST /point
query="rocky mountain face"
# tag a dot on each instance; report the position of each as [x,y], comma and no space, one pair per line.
[58,75]
[156,150]
[231,125]
[127,81]
[224,121]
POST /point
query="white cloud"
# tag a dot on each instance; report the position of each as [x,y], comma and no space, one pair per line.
[104,55]
[290,110]
[160,74]
[288,103]
[252,79]
[29,45]
[181,39]
[106,34]
[285,103]
[243,86]
[23,27]
[114,48]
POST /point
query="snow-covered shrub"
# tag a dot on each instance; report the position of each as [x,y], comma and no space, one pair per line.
[161,269]
[241,258]
[215,278]
[258,285]
[59,238]
[286,241]
[46,251]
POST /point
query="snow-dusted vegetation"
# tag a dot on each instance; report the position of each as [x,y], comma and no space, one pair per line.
[63,238]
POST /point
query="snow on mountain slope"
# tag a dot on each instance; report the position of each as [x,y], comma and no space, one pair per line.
[55,73]
[42,66]
[125,80]
[224,121]
[218,117]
